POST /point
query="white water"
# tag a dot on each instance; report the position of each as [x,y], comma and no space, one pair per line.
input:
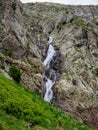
[49,82]
[50,40]
[49,93]
[50,55]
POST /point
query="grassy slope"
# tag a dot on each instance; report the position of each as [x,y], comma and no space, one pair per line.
[18,106]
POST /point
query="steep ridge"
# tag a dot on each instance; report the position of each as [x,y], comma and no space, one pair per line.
[24,30]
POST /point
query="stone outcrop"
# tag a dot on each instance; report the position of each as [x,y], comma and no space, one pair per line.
[22,43]
[24,31]
[75,31]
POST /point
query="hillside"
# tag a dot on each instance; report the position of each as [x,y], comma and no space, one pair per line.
[75,33]
[20,108]
[24,33]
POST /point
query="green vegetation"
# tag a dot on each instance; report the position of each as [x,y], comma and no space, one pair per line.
[2,33]
[20,107]
[68,73]
[81,23]
[61,24]
[14,5]
[7,52]
[96,72]
[15,73]
[9,122]
[75,17]
[94,21]
[74,20]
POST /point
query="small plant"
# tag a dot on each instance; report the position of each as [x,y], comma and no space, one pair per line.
[96,72]
[95,22]
[82,24]
[75,17]
[2,67]
[8,52]
[61,24]
[14,5]
[2,33]
[15,73]
[2,127]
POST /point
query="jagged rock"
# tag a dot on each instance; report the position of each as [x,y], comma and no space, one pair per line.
[5,74]
[24,31]
[75,34]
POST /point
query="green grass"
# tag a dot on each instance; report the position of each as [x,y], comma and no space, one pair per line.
[18,106]
[81,24]
[8,122]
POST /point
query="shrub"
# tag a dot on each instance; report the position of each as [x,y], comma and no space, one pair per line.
[2,127]
[81,24]
[61,24]
[96,72]
[15,73]
[14,5]
[95,22]
[8,52]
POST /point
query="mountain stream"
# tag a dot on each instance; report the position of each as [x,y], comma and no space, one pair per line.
[49,75]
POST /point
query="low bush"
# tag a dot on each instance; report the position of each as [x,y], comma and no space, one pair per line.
[61,24]
[8,52]
[14,5]
[96,72]
[15,73]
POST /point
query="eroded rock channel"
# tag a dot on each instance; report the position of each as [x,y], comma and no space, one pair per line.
[52,72]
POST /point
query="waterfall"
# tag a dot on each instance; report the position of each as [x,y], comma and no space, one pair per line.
[49,57]
[49,75]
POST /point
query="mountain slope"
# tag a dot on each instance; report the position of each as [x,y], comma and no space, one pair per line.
[75,33]
[25,107]
[24,33]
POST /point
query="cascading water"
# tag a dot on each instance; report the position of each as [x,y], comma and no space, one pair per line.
[50,78]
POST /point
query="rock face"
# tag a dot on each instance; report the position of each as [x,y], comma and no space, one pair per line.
[75,31]
[24,30]
[22,43]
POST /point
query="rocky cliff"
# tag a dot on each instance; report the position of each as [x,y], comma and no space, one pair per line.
[24,31]
[22,44]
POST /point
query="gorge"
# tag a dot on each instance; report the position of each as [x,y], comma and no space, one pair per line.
[64,70]
[51,77]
